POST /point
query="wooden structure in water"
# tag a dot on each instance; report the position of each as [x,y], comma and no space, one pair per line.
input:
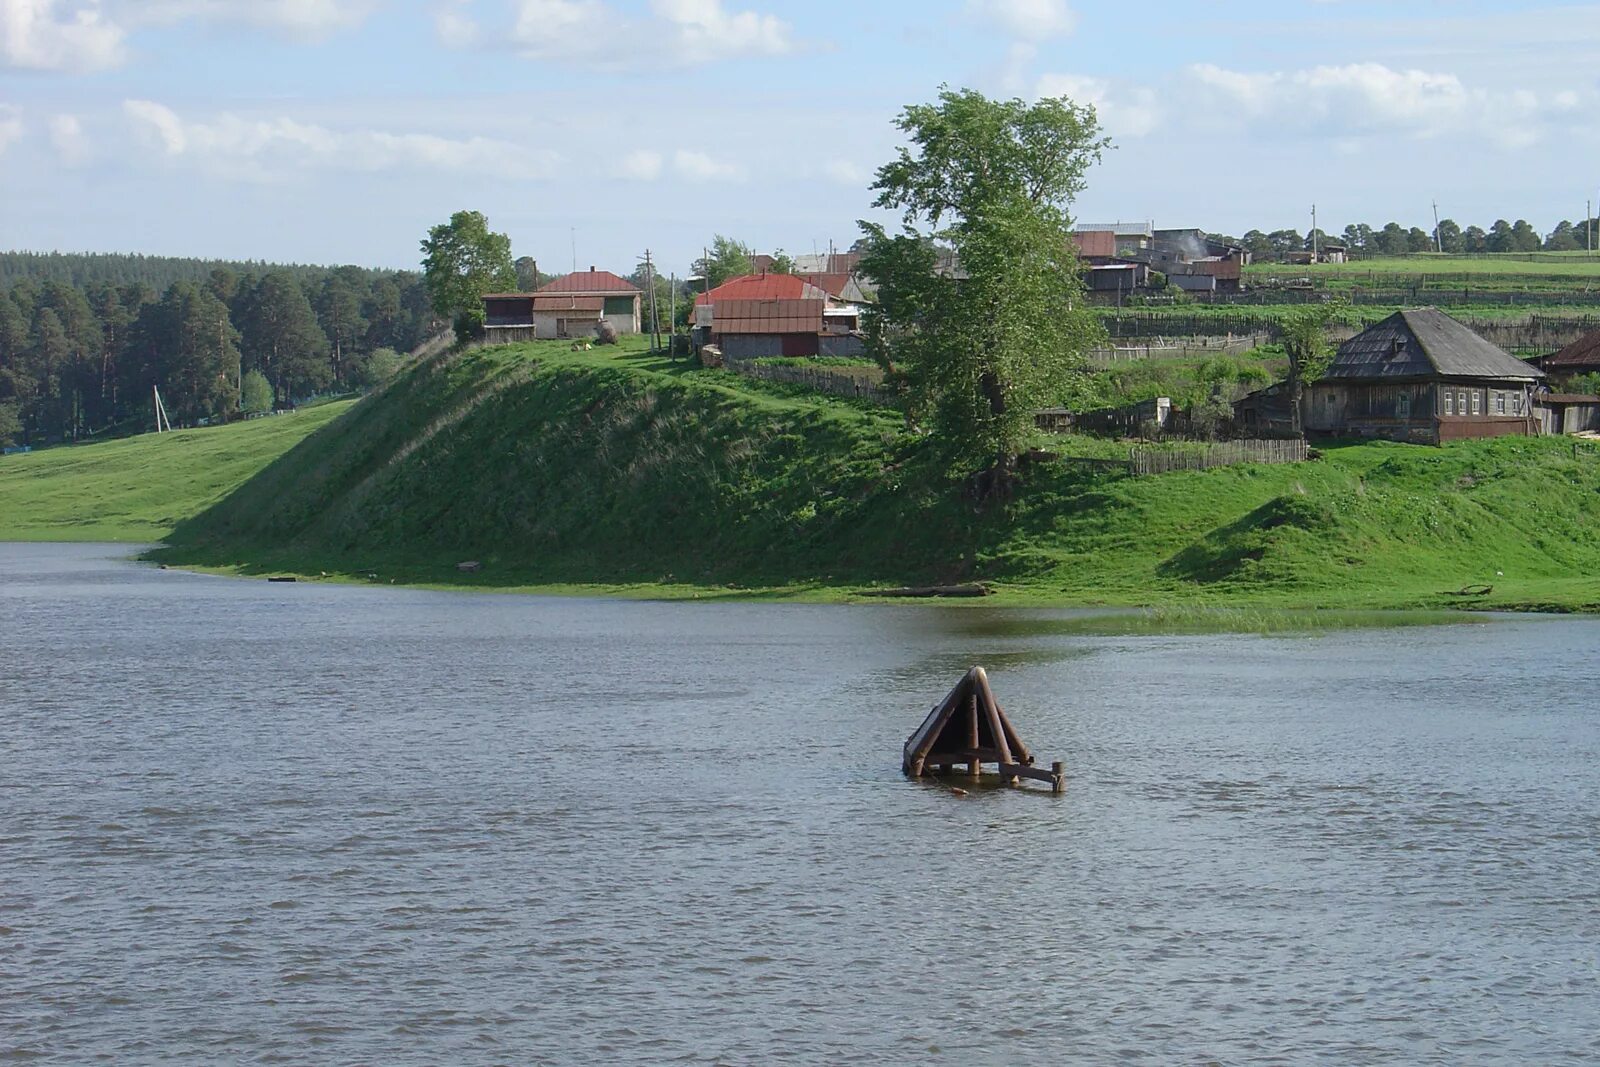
[968,728]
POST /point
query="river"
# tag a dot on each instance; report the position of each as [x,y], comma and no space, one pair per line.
[253,822]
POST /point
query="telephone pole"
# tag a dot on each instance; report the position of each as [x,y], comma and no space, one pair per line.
[1314,234]
[1438,242]
[655,322]
[672,317]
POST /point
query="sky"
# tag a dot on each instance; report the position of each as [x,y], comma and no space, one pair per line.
[338,131]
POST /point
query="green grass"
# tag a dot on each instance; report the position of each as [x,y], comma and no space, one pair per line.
[139,488]
[618,471]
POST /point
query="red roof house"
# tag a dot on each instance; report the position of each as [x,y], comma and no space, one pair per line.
[620,298]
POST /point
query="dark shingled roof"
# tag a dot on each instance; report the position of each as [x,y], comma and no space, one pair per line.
[1424,343]
[1584,352]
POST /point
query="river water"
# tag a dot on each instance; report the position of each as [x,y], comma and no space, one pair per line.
[252,822]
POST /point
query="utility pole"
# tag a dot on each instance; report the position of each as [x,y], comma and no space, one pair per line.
[1438,242]
[1588,227]
[672,317]
[655,320]
[1314,234]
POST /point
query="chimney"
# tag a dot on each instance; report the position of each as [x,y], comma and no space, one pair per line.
[591,268]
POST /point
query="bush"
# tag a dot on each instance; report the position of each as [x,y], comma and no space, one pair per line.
[10,423]
[605,333]
[380,365]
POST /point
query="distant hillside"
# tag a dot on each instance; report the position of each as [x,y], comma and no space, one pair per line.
[555,467]
[86,269]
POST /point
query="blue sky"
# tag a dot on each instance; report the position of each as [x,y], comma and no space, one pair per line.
[339,130]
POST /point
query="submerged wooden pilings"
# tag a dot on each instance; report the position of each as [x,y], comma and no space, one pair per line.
[969,728]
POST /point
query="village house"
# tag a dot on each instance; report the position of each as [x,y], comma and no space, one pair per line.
[761,315]
[1580,357]
[1417,376]
[571,306]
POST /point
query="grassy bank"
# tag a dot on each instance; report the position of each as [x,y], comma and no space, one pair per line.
[616,470]
[139,488]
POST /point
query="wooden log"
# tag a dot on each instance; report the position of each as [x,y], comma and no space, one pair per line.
[974,766]
[1012,744]
[1053,777]
[992,711]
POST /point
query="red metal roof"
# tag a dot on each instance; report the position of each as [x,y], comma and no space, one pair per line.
[1584,352]
[832,284]
[767,316]
[763,287]
[1565,398]
[589,281]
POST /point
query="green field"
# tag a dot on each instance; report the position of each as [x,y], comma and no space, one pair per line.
[1537,266]
[138,488]
[620,471]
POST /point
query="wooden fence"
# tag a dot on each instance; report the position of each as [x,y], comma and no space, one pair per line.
[1147,459]
[865,383]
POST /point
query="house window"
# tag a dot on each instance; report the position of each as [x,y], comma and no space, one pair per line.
[1477,402]
[1516,404]
[1461,402]
[1402,406]
[1449,402]
[1499,403]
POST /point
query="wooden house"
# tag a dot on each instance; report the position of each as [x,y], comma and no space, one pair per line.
[1421,376]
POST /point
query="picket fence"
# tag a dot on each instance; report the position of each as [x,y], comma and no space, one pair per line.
[1147,459]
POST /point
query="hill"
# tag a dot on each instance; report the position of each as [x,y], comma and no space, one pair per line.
[139,488]
[558,468]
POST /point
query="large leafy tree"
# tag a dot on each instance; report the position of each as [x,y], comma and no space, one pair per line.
[726,258]
[462,259]
[981,311]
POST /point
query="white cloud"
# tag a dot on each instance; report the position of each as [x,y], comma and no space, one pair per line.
[703,30]
[11,128]
[844,172]
[1370,98]
[594,33]
[1134,112]
[697,166]
[642,165]
[51,35]
[305,19]
[71,144]
[455,25]
[1028,19]
[265,148]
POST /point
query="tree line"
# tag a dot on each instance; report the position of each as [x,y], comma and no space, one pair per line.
[1393,239]
[79,359]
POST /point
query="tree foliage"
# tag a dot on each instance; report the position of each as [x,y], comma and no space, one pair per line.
[1305,341]
[726,258]
[992,326]
[461,260]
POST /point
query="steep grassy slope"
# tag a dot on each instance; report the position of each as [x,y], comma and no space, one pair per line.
[138,488]
[553,467]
